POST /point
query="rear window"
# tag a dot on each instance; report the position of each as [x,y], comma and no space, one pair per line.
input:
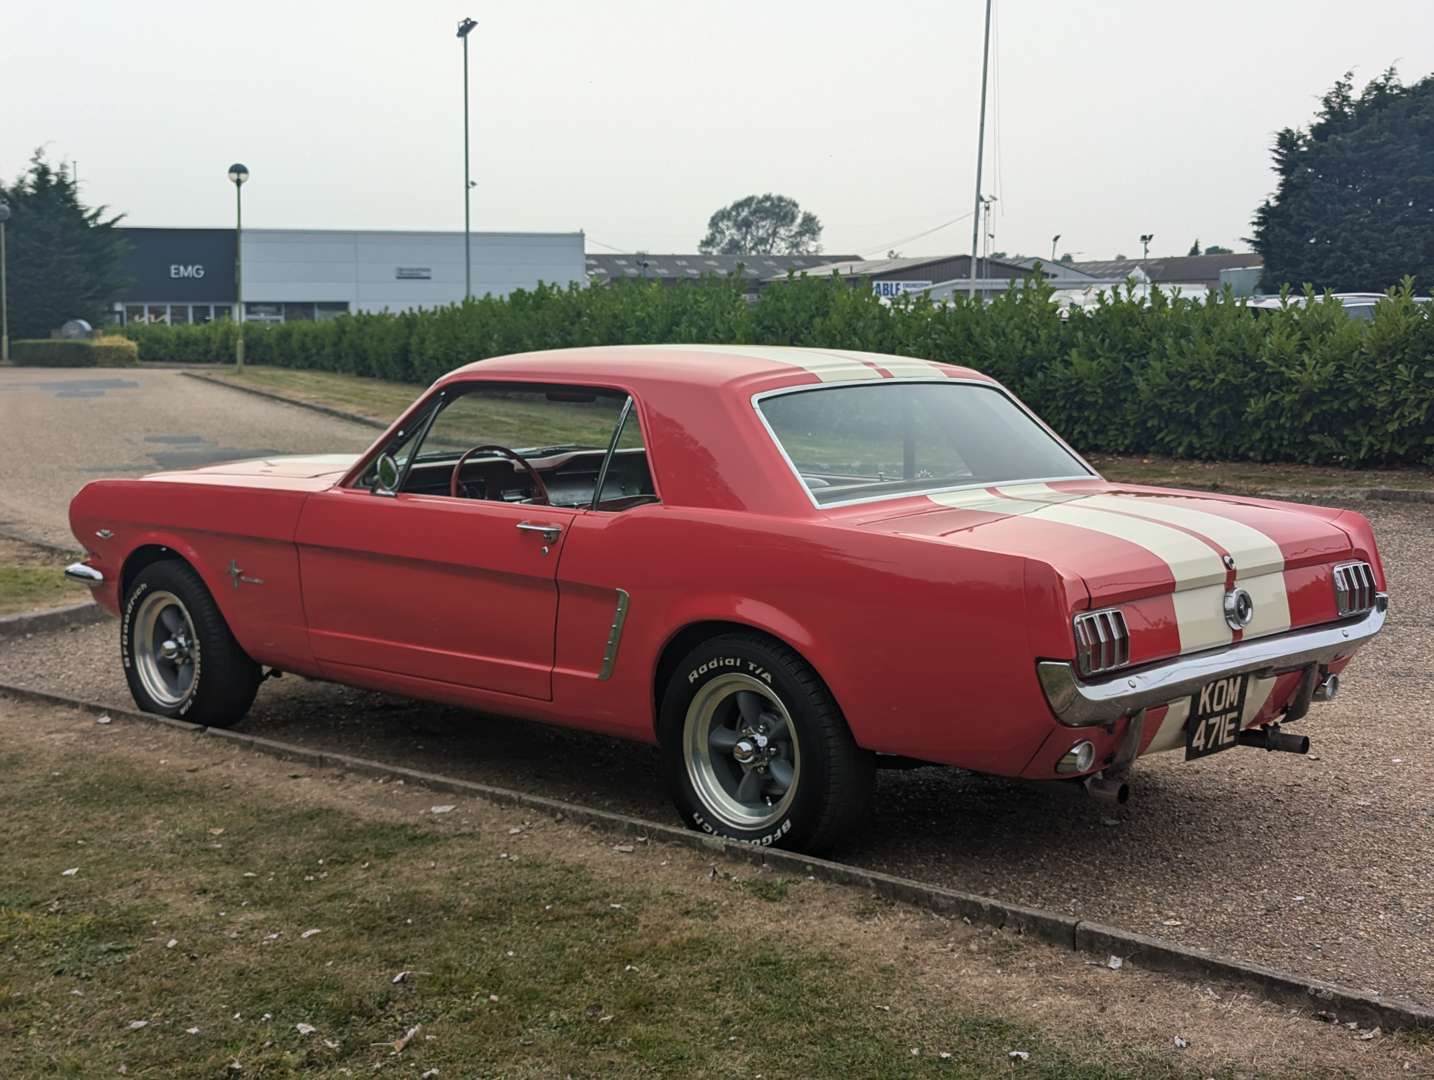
[898,438]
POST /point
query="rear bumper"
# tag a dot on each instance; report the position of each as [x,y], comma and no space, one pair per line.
[1078,703]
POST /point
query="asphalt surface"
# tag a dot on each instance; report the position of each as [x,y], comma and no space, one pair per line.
[65,427]
[1322,865]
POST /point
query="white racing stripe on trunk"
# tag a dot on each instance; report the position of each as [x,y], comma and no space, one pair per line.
[1259,562]
[1197,570]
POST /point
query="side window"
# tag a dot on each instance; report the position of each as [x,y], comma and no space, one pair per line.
[628,479]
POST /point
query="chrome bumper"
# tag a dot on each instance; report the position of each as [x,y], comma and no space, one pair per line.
[85,575]
[1083,704]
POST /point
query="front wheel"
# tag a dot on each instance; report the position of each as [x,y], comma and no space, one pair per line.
[755,748]
[179,657]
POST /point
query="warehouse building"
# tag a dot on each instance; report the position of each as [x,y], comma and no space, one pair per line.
[188,275]
[672,269]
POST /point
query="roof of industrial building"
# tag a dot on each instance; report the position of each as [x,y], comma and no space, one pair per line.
[605,268]
[1181,268]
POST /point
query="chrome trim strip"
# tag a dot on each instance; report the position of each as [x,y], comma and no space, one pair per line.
[85,575]
[614,637]
[1083,704]
[805,388]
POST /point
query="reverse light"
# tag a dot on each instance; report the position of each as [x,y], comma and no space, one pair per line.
[1102,641]
[1078,759]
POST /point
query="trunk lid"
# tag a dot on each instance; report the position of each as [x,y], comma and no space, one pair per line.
[1165,557]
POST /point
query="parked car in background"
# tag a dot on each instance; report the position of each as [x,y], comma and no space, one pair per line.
[785,566]
[1357,305]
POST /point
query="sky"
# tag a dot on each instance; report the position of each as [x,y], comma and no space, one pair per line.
[633,120]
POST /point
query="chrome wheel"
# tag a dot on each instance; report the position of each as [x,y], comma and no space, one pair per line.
[166,650]
[741,751]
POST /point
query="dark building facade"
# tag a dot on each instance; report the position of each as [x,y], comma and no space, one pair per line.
[178,275]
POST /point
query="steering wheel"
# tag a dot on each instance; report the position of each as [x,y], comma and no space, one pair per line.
[540,489]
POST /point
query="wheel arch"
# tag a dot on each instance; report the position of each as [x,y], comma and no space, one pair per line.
[153,548]
[692,634]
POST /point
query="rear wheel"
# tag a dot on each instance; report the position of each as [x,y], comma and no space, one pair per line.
[755,748]
[179,657]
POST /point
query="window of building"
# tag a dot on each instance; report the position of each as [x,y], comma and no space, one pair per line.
[325,310]
[264,313]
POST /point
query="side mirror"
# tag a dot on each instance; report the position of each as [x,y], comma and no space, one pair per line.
[385,475]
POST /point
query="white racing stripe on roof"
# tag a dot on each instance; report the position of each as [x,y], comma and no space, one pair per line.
[902,367]
[826,366]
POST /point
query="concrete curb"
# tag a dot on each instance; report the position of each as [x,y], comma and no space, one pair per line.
[1076,934]
[341,414]
[36,622]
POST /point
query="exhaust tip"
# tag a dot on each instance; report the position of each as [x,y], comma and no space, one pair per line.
[1327,690]
[1116,791]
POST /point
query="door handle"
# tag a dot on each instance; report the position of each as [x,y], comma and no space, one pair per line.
[550,532]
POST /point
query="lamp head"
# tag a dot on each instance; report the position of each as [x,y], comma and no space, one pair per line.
[238,173]
[465,27]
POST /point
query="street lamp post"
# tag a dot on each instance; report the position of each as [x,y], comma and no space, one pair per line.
[238,174]
[1145,239]
[1054,241]
[464,29]
[4,298]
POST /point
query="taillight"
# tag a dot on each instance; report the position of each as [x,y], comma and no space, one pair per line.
[1102,641]
[1353,588]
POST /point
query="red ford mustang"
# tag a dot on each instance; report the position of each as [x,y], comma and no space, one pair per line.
[785,566]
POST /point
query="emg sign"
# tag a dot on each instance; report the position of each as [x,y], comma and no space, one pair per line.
[192,270]
[891,289]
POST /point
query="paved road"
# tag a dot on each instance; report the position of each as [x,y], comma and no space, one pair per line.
[1323,865]
[64,428]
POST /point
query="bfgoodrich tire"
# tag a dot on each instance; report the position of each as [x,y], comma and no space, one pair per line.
[755,748]
[180,659]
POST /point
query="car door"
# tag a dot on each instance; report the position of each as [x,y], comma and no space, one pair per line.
[454,590]
[458,590]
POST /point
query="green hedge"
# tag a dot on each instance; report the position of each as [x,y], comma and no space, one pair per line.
[67,352]
[1170,376]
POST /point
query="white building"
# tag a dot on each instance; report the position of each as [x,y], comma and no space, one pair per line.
[188,275]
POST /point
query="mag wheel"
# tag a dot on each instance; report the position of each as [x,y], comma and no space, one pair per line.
[179,657]
[756,749]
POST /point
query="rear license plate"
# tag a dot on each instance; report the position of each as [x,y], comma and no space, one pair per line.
[1215,713]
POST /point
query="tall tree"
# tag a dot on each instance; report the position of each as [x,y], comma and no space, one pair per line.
[1194,248]
[1217,249]
[1352,210]
[63,259]
[762,225]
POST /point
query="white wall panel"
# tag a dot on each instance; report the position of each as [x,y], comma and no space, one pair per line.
[298,265]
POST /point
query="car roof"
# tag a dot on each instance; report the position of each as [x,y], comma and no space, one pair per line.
[747,368]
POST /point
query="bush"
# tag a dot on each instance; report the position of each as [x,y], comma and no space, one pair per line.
[1202,378]
[109,351]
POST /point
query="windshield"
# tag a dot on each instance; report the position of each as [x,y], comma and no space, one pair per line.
[898,438]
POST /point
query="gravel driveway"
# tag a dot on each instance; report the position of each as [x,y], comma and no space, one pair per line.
[63,428]
[1322,864]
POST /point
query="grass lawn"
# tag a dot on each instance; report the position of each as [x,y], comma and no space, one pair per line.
[384,401]
[31,578]
[1248,476]
[376,399]
[172,906]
